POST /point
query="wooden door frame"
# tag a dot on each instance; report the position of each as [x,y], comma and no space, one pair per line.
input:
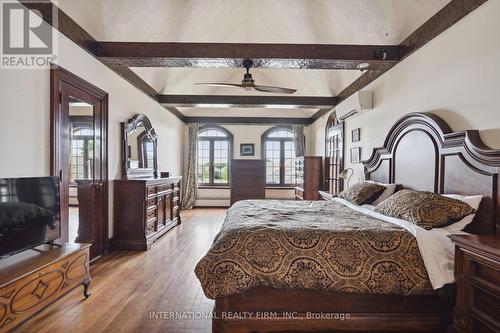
[58,75]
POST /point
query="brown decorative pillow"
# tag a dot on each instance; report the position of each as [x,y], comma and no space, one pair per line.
[362,193]
[425,209]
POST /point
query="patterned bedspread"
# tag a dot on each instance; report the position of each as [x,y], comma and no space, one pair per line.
[312,245]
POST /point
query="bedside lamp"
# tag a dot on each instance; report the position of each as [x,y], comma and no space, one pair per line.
[345,175]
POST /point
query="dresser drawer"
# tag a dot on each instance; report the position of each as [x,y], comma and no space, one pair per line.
[482,270]
[485,304]
[150,215]
[150,228]
[151,203]
[163,188]
[151,190]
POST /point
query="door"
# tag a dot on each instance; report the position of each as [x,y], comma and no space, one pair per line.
[79,158]
[334,155]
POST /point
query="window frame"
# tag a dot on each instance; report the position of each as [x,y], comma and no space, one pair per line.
[265,138]
[333,128]
[211,140]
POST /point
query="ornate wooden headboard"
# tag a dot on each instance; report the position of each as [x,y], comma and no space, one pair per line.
[422,153]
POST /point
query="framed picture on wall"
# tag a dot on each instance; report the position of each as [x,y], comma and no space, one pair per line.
[247,149]
[356,135]
[356,155]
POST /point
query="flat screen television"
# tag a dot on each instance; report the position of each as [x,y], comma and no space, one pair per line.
[29,213]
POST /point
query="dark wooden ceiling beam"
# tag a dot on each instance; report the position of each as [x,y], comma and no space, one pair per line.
[231,55]
[247,101]
[249,120]
[450,14]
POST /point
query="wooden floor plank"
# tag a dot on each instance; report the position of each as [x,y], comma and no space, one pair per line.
[128,285]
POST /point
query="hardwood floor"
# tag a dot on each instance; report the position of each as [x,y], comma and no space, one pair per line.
[128,286]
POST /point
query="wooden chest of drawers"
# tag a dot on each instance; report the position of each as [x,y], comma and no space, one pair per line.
[477,273]
[248,180]
[144,210]
[308,177]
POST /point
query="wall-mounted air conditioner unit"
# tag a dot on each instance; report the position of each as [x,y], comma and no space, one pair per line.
[359,102]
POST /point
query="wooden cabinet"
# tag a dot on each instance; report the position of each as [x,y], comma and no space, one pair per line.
[144,210]
[248,180]
[477,273]
[31,280]
[308,177]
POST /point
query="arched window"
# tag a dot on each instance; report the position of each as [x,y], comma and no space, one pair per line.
[278,150]
[214,155]
[334,152]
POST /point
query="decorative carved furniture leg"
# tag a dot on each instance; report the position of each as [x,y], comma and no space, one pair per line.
[86,285]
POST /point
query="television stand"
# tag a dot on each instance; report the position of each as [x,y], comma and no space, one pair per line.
[31,280]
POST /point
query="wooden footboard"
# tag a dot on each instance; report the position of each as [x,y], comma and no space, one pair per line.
[271,310]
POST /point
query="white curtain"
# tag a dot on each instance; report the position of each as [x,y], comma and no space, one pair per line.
[299,140]
[190,181]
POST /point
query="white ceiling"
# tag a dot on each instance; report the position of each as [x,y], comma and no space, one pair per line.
[251,21]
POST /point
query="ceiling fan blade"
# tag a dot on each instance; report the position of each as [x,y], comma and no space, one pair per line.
[217,84]
[276,90]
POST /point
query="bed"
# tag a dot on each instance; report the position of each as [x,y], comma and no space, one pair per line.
[252,270]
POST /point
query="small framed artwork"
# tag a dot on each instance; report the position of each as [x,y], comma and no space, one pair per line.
[356,155]
[356,135]
[247,149]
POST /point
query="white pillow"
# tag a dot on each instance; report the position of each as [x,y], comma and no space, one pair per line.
[471,200]
[368,206]
[389,190]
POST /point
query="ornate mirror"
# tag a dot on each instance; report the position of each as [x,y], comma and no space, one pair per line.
[140,145]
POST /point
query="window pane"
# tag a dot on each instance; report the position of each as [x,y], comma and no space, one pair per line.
[272,162]
[219,169]
[203,161]
[212,132]
[281,133]
[289,162]
[82,153]
[221,162]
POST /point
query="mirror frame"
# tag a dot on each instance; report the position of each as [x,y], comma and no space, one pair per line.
[127,128]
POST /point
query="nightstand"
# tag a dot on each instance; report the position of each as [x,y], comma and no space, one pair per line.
[477,273]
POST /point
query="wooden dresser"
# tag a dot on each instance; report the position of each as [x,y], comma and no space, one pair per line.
[31,280]
[477,273]
[144,210]
[308,177]
[248,179]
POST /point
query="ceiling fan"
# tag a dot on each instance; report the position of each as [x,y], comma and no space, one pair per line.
[248,84]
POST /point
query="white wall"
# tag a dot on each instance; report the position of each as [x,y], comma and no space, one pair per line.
[456,76]
[25,125]
[241,134]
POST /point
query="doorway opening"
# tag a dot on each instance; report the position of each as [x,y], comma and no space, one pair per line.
[79,123]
